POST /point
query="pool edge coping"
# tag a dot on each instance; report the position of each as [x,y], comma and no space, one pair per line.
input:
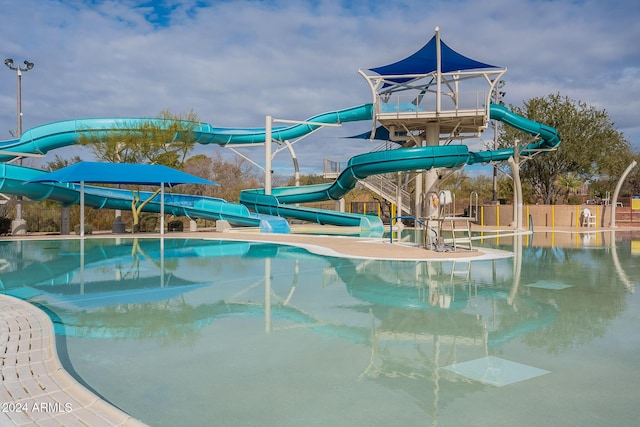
[36,388]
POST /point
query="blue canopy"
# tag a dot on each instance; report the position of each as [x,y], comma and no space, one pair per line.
[424,61]
[381,133]
[121,173]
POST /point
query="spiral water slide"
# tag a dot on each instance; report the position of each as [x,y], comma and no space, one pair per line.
[381,162]
[269,209]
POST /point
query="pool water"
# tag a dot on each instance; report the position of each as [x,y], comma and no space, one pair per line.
[227,333]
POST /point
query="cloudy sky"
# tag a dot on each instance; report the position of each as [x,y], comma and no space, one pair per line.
[235,61]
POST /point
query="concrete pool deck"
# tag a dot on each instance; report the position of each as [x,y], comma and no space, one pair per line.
[36,390]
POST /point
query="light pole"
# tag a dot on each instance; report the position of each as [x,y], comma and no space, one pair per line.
[19,69]
[497,98]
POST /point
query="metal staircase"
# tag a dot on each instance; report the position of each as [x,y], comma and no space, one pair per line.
[387,189]
[379,184]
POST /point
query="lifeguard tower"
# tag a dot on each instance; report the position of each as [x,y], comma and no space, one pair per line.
[434,97]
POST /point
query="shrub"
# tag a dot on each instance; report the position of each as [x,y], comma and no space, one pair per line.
[88,229]
[5,225]
[148,223]
[175,225]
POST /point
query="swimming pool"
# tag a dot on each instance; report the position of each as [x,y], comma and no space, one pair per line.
[215,332]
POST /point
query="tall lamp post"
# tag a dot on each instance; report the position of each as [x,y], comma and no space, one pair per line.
[19,69]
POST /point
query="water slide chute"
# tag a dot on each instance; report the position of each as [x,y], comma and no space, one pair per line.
[282,201]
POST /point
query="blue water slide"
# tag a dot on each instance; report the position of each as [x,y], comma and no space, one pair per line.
[382,162]
[44,138]
[225,136]
[14,180]
[548,137]
[282,201]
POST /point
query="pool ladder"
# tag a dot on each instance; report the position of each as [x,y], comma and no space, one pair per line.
[459,227]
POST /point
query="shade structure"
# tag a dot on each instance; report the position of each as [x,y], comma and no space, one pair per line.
[121,173]
[425,61]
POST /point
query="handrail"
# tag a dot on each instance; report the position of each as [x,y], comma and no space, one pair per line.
[387,189]
[401,217]
[442,202]
[475,211]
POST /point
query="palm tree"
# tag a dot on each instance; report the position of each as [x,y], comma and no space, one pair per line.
[570,182]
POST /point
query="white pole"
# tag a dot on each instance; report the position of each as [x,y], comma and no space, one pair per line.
[19,229]
[162,262]
[614,201]
[517,268]
[82,266]
[517,191]
[18,135]
[431,179]
[81,208]
[399,194]
[267,295]
[294,158]
[267,155]
[438,71]
[162,208]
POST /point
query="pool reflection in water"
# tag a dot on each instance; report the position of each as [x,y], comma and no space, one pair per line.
[209,332]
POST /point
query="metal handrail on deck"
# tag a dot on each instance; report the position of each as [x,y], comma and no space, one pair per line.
[401,217]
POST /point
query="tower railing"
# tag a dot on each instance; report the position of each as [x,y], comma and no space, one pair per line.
[408,104]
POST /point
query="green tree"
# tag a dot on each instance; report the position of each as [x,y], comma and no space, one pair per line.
[459,183]
[632,186]
[166,140]
[591,146]
[58,162]
[199,165]
[308,180]
[234,176]
[570,183]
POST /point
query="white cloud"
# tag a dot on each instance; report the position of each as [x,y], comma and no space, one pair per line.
[236,61]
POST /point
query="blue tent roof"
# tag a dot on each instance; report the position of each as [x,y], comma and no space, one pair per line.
[121,173]
[381,133]
[424,61]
